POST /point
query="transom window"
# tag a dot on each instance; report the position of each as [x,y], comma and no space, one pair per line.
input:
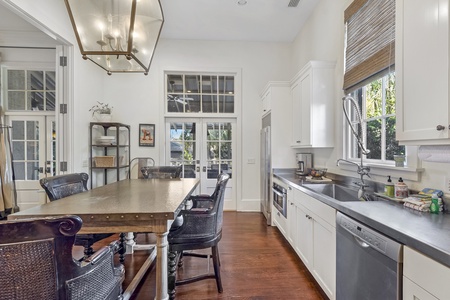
[377,102]
[200,93]
[30,90]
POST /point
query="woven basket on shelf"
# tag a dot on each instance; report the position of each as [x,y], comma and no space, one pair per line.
[104,161]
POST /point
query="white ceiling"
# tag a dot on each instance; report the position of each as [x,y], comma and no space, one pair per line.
[258,20]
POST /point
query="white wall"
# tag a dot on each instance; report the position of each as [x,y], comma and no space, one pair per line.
[140,99]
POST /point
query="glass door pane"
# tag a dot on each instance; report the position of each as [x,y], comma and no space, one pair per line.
[218,149]
[183,143]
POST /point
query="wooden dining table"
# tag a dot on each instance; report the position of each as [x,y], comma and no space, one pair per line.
[131,205]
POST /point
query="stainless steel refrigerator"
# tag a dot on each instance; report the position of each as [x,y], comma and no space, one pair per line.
[266,167]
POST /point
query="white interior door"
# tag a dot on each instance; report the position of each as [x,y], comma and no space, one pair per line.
[204,147]
[33,142]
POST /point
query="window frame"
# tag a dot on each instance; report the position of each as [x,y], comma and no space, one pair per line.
[412,169]
[351,153]
[218,94]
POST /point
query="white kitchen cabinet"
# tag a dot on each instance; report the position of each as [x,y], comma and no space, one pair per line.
[315,240]
[291,217]
[266,107]
[313,106]
[278,94]
[423,277]
[280,221]
[275,95]
[305,229]
[422,72]
[412,291]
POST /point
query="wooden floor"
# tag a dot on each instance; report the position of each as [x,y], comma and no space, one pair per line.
[257,263]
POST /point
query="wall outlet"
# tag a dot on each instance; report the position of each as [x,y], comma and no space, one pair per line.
[447,185]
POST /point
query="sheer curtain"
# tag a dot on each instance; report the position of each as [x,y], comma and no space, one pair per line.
[8,195]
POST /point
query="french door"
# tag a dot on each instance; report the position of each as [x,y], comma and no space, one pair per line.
[204,148]
[33,140]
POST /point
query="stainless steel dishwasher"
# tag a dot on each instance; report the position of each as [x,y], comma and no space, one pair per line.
[369,265]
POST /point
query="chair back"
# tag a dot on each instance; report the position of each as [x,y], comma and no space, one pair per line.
[137,163]
[220,198]
[161,172]
[37,263]
[202,227]
[61,186]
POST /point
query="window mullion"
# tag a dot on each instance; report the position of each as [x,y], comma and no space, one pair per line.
[383,118]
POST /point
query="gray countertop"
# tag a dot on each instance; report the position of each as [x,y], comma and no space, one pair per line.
[427,233]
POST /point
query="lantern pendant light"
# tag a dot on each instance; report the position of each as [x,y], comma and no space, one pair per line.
[120,36]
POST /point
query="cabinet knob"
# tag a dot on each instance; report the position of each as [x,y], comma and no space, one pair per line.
[298,142]
[440,127]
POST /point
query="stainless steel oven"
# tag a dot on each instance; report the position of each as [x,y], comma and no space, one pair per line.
[279,198]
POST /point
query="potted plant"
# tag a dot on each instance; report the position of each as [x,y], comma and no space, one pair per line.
[399,160]
[102,112]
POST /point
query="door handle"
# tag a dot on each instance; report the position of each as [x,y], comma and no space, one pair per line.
[204,169]
[197,169]
[41,170]
[48,170]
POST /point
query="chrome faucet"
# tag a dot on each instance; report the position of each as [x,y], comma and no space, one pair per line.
[362,171]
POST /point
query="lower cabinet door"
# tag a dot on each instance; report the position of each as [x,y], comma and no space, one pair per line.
[324,238]
[304,226]
[412,291]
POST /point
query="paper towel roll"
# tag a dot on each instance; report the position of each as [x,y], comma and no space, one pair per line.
[434,153]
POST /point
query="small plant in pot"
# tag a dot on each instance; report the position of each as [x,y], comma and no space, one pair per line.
[101,111]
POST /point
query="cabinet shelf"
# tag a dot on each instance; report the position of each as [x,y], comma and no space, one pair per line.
[119,152]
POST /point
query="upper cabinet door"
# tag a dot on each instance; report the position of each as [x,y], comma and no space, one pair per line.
[313,106]
[422,72]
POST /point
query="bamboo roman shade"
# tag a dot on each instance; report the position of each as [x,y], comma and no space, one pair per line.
[370,45]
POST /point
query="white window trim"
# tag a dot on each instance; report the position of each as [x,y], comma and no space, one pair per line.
[412,170]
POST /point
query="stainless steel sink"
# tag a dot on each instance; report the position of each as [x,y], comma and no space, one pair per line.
[335,191]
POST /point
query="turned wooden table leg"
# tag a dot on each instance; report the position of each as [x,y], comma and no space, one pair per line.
[161,266]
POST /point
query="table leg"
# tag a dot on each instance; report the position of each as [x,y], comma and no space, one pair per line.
[130,243]
[161,266]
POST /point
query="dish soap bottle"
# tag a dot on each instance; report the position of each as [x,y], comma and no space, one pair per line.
[389,188]
[434,206]
[401,189]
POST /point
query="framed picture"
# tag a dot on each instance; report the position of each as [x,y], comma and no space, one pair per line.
[146,135]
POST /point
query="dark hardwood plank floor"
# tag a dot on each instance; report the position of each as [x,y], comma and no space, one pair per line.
[257,263]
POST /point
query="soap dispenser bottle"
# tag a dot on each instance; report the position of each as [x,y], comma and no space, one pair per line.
[401,189]
[389,188]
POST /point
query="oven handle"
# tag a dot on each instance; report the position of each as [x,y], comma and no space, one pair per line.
[278,192]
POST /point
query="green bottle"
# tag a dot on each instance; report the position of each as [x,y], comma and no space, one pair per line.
[434,206]
[389,188]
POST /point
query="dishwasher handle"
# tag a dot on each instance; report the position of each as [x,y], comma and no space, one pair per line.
[361,242]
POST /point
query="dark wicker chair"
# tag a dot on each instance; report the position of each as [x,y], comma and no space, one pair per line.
[161,172]
[201,229]
[205,200]
[36,263]
[61,186]
[137,163]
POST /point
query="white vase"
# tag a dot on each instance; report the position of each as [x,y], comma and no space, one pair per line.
[103,117]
